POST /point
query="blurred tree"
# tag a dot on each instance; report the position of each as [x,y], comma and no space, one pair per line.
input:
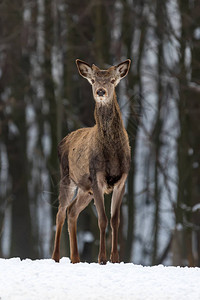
[15,77]
[133,20]
[49,87]
[158,125]
[188,145]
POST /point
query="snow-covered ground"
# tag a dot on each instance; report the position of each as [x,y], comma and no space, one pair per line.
[45,279]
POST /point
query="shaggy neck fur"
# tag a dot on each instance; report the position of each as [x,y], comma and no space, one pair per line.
[109,122]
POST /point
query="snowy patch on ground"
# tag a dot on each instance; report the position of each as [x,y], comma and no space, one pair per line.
[45,279]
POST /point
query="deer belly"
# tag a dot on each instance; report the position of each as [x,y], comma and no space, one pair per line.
[79,170]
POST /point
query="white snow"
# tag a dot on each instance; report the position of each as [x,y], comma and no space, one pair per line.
[45,279]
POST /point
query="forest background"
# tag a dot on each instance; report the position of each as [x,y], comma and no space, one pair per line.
[43,98]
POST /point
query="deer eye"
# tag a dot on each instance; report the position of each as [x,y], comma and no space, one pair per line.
[92,80]
[113,81]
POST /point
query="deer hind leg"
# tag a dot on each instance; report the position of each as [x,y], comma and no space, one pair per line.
[80,202]
[115,217]
[67,189]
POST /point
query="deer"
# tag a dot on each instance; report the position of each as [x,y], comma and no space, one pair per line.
[95,161]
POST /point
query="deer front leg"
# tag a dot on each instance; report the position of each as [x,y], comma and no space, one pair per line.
[115,218]
[102,222]
[72,223]
[81,201]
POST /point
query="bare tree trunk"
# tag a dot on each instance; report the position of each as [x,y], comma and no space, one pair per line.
[15,133]
[102,24]
[131,22]
[188,145]
[195,132]
[50,98]
[157,132]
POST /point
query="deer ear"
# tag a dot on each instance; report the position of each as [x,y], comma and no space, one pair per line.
[123,68]
[84,69]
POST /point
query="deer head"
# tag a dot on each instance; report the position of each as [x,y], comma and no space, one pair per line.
[103,81]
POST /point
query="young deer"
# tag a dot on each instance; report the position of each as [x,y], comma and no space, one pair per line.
[96,160]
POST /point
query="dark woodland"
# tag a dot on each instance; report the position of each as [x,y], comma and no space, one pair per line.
[43,98]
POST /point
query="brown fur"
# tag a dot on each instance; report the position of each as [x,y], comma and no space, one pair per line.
[96,160]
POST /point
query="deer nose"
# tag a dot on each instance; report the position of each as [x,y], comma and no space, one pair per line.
[101,92]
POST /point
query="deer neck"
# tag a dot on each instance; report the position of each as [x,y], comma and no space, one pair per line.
[109,122]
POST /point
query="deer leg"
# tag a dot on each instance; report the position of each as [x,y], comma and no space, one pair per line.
[65,195]
[81,201]
[115,218]
[102,222]
[60,219]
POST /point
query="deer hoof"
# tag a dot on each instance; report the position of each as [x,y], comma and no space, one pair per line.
[75,260]
[56,257]
[114,258]
[102,260]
